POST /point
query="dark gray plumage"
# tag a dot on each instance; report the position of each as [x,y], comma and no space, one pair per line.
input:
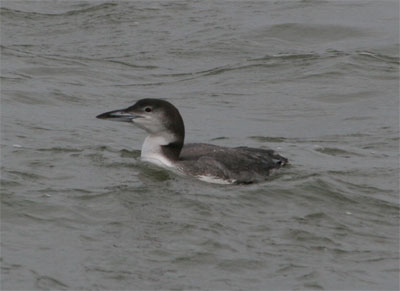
[241,165]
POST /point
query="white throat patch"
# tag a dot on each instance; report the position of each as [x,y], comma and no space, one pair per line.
[152,151]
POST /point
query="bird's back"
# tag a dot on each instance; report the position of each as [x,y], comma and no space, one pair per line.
[232,165]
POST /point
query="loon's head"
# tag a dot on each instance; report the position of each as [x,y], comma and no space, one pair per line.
[152,115]
[157,117]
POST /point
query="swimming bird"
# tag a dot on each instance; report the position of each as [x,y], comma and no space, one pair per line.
[164,146]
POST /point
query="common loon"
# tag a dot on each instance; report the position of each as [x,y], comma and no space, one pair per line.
[211,163]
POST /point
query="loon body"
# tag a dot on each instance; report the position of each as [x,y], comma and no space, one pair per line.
[165,147]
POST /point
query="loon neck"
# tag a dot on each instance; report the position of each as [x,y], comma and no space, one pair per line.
[162,149]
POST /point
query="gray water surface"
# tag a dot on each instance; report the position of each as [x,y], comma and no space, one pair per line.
[315,80]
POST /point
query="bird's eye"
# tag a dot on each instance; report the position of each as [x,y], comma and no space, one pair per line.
[147,109]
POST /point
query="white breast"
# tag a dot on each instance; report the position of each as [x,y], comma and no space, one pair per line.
[152,152]
[214,180]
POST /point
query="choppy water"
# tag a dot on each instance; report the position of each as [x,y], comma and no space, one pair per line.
[316,80]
